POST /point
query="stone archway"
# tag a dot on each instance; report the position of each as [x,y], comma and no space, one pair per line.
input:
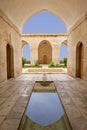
[44,52]
[26,52]
[79,60]
[63,52]
[10,61]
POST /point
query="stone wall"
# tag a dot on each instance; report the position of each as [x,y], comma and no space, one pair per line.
[78,34]
[34,41]
[9,34]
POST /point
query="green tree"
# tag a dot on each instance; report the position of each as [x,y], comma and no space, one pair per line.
[65,61]
[23,61]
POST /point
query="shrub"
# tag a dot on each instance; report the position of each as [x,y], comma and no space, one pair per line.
[23,61]
[52,64]
[65,61]
[57,65]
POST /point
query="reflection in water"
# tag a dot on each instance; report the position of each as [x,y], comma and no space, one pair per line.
[47,86]
[44,108]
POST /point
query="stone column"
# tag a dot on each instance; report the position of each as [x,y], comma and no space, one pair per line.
[56,53]
[33,53]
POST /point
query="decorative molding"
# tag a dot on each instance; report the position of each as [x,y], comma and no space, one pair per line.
[43,35]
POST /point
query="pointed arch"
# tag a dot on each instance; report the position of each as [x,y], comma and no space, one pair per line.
[79,60]
[10,61]
[63,51]
[43,10]
[44,52]
[26,51]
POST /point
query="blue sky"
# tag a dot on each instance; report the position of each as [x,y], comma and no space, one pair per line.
[44,22]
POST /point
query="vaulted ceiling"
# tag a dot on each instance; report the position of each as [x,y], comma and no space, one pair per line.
[19,11]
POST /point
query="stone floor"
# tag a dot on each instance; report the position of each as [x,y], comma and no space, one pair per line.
[15,93]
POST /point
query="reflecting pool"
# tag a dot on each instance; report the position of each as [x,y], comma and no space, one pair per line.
[44,110]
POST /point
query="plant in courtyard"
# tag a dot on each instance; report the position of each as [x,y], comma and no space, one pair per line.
[23,61]
[57,65]
[52,64]
[65,61]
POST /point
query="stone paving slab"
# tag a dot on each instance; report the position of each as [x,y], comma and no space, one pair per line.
[2,119]
[10,124]
[15,94]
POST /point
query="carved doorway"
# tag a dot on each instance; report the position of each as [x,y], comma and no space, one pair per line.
[44,59]
[79,60]
[10,63]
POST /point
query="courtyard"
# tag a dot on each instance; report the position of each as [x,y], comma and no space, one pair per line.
[44,47]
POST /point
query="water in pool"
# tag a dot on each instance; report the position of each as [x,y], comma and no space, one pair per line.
[44,110]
